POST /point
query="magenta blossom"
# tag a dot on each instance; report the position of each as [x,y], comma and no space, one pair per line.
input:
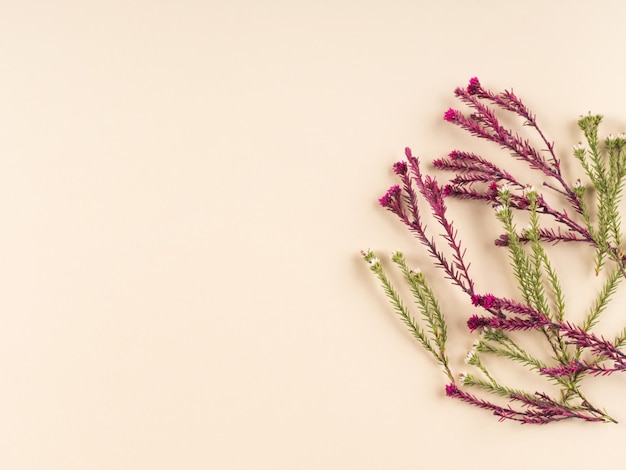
[400,168]
[474,86]
[452,390]
[390,196]
[487,301]
[451,115]
[475,322]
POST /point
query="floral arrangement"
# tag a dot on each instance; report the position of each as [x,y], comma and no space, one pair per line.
[554,211]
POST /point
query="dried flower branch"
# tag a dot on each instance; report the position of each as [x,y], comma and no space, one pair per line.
[589,216]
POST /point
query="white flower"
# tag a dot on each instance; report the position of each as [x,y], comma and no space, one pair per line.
[470,355]
[530,189]
[579,146]
[499,208]
[621,135]
[578,184]
[505,188]
[462,378]
[374,260]
[610,137]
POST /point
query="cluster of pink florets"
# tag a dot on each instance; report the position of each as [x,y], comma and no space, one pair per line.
[486,301]
[390,197]
[400,168]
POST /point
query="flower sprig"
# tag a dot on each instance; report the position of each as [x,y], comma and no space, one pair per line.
[588,215]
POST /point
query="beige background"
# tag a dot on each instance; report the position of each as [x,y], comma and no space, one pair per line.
[184,190]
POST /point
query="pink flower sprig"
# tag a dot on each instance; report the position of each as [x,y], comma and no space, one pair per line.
[459,192]
[403,202]
[534,322]
[539,410]
[577,367]
[599,346]
[501,303]
[502,413]
[499,306]
[543,410]
[548,235]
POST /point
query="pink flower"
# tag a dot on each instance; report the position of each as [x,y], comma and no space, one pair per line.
[400,168]
[489,301]
[451,115]
[455,154]
[476,322]
[486,301]
[474,86]
[452,390]
[564,370]
[390,196]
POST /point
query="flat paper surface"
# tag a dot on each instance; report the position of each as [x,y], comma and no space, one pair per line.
[185,188]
